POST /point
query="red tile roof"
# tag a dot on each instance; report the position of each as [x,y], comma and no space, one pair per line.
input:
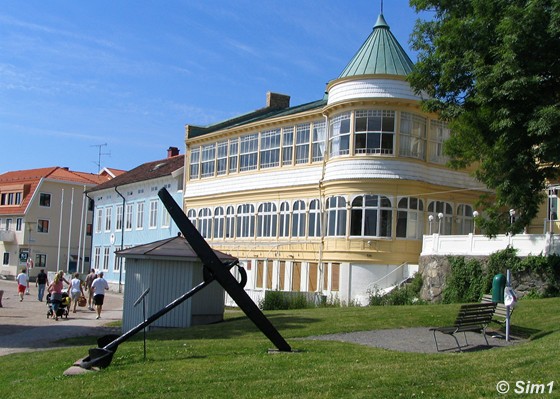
[28,180]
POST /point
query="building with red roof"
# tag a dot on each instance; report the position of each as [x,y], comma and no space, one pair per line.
[45,220]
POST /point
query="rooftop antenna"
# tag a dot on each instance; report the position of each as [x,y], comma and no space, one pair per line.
[99,153]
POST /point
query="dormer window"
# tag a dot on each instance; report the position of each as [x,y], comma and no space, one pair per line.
[11,198]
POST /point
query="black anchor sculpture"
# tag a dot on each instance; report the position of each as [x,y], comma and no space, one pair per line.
[213,269]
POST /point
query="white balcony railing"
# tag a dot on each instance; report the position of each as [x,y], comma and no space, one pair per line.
[526,244]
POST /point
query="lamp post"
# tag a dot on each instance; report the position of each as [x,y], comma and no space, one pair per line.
[511,216]
[440,218]
[29,261]
[475,215]
[431,219]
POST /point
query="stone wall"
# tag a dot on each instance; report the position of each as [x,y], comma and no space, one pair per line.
[435,269]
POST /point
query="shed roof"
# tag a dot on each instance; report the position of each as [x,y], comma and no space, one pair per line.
[176,247]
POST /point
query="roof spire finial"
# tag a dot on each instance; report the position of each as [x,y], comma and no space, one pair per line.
[381,7]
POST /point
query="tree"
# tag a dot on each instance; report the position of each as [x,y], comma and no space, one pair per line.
[492,70]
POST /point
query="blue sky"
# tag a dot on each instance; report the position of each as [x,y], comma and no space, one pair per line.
[75,75]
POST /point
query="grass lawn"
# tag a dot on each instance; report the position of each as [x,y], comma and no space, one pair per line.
[230,359]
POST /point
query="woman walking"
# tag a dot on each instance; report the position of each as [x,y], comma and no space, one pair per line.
[55,289]
[76,291]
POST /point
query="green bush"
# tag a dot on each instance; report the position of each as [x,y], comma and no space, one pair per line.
[497,263]
[547,268]
[465,282]
[280,300]
[407,294]
[470,279]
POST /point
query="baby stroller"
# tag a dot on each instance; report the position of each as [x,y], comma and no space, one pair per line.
[62,310]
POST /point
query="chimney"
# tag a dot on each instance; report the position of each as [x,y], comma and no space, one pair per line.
[172,152]
[277,101]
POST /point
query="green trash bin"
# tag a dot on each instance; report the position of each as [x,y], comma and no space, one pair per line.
[498,286]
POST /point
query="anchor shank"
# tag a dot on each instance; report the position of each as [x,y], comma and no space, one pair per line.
[213,264]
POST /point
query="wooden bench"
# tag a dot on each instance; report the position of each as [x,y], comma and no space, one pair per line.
[471,318]
[500,313]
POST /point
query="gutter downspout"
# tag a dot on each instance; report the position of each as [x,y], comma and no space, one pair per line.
[122,237]
[80,240]
[91,239]
[322,209]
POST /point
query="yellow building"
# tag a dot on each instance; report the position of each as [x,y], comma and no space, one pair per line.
[332,196]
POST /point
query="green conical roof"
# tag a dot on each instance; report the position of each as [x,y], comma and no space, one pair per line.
[381,54]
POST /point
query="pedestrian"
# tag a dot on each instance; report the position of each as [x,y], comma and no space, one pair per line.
[89,279]
[55,289]
[99,286]
[42,282]
[22,280]
[76,291]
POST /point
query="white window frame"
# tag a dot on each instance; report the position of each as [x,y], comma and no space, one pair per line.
[204,222]
[128,217]
[269,149]
[208,161]
[140,216]
[248,152]
[221,158]
[99,220]
[194,164]
[302,139]
[318,141]
[153,214]
[376,213]
[337,216]
[340,130]
[108,218]
[119,218]
[382,135]
[106,258]
[299,219]
[288,146]
[267,220]
[410,211]
[439,133]
[219,222]
[412,136]
[314,218]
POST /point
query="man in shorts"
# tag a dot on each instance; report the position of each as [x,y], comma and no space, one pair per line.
[99,286]
[22,281]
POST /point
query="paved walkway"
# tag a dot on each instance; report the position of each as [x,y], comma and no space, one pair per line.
[24,325]
[419,339]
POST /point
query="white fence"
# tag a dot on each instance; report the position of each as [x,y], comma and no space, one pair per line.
[526,244]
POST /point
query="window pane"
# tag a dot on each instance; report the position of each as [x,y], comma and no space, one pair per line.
[221,158]
[248,152]
[302,143]
[270,149]
[339,134]
[194,170]
[374,132]
[233,148]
